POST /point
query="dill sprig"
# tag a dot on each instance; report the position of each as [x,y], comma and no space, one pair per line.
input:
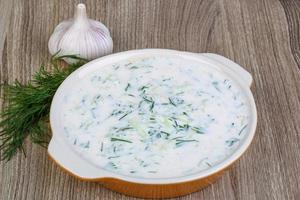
[26,106]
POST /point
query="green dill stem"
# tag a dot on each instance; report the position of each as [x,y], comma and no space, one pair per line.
[101,149]
[231,141]
[128,85]
[171,102]
[179,141]
[175,138]
[244,127]
[143,87]
[119,140]
[124,115]
[185,114]
[113,157]
[148,100]
[167,134]
[198,130]
[208,164]
[124,129]
[152,106]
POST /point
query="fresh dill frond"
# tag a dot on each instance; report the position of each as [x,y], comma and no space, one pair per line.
[26,107]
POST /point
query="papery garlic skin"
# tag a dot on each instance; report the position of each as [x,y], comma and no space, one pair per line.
[81,36]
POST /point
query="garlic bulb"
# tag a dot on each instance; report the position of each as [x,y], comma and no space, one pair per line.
[81,36]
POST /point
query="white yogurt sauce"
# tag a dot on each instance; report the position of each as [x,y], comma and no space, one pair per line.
[155,117]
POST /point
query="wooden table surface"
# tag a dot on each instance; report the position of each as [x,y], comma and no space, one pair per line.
[261,35]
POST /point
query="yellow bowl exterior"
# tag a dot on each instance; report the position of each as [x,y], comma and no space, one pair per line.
[153,191]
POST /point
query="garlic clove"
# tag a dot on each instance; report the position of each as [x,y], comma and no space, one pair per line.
[81,36]
[56,35]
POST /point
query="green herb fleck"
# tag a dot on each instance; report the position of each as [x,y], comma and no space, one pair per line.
[112,165]
[175,138]
[179,93]
[244,127]
[167,134]
[152,106]
[128,85]
[125,115]
[185,114]
[116,112]
[87,145]
[180,141]
[166,79]
[231,141]
[101,148]
[124,129]
[113,157]
[171,102]
[148,100]
[127,64]
[143,87]
[208,164]
[175,122]
[216,85]
[184,127]
[140,104]
[198,130]
[116,67]
[119,140]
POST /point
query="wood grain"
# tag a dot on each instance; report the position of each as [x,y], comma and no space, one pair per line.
[261,35]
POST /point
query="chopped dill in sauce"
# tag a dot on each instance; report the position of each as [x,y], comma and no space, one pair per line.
[151,117]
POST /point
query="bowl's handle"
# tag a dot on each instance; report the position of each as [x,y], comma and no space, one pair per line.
[241,72]
[67,159]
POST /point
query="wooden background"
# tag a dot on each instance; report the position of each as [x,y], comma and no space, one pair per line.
[261,35]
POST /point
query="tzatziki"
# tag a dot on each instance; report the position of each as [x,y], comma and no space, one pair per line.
[155,117]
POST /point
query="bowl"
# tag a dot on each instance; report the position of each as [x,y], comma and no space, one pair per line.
[61,152]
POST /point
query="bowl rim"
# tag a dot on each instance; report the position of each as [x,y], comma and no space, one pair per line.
[105,174]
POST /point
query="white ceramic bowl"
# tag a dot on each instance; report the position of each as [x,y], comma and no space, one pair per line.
[61,152]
